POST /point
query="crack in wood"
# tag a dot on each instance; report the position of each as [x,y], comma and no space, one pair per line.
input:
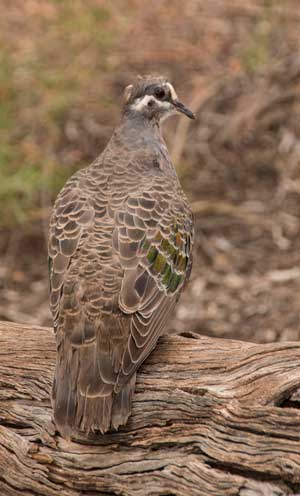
[256,476]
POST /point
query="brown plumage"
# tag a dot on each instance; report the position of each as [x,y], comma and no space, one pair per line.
[120,242]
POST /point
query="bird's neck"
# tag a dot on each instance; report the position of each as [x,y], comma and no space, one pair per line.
[139,142]
[136,130]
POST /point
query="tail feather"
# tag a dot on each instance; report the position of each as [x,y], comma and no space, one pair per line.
[121,407]
[79,406]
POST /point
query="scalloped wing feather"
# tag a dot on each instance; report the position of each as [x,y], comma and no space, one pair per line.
[71,217]
[154,245]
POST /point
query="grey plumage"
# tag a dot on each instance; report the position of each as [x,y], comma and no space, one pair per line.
[120,252]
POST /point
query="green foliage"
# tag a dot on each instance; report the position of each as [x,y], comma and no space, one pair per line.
[256,55]
[18,191]
[21,188]
[47,73]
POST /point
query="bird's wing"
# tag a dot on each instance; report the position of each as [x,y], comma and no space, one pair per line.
[153,238]
[71,217]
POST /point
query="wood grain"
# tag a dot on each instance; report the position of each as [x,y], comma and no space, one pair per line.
[210,417]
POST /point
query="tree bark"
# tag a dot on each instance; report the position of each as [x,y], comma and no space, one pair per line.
[210,417]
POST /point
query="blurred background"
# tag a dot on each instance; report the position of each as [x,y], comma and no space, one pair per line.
[236,63]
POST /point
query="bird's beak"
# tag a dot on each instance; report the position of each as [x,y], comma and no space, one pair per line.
[183,109]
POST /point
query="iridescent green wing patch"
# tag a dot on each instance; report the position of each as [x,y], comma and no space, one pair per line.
[168,258]
[152,254]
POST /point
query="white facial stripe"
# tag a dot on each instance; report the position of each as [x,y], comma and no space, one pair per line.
[165,105]
[127,92]
[142,102]
[173,92]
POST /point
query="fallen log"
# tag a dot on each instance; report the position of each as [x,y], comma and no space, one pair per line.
[210,417]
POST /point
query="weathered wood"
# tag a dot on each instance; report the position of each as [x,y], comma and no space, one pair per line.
[210,417]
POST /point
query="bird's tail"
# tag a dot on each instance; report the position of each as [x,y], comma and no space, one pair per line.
[82,402]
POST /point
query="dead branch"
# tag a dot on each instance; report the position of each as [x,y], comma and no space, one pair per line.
[210,417]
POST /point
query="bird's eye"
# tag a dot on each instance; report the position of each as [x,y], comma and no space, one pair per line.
[160,93]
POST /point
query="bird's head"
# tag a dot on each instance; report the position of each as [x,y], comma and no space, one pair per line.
[154,98]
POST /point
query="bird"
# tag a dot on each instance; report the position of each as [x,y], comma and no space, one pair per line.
[120,253]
